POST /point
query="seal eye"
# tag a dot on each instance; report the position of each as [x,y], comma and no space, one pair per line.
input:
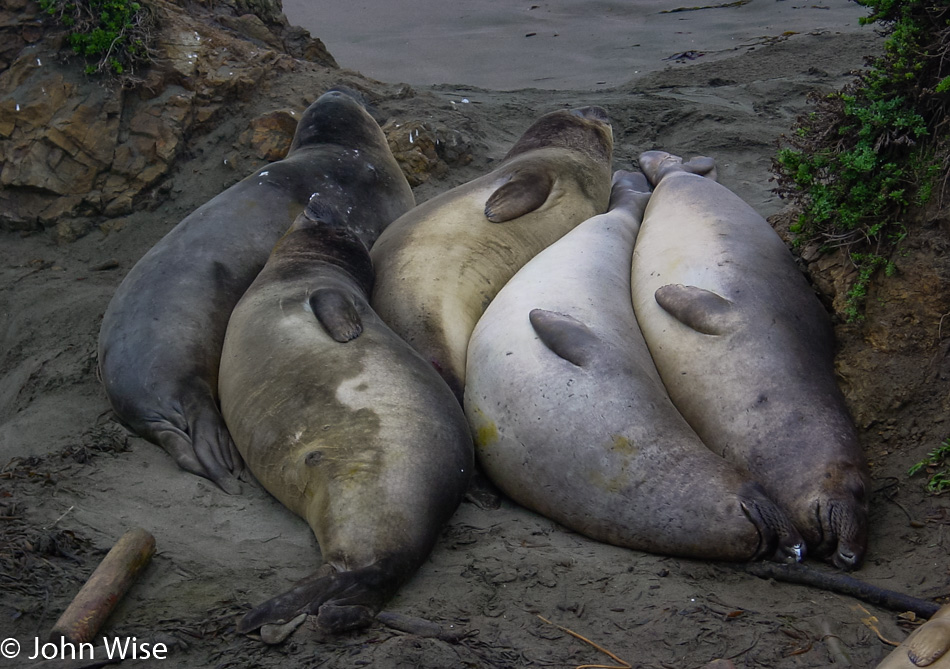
[313,458]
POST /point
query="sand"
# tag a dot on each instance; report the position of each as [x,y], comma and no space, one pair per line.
[552,44]
[76,477]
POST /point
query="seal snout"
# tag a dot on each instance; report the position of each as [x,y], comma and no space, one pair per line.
[845,559]
[341,96]
[593,113]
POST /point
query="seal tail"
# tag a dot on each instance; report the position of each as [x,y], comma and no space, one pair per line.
[340,600]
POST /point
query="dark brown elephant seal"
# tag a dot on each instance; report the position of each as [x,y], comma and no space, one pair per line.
[571,419]
[342,422]
[746,351]
[160,340]
[439,266]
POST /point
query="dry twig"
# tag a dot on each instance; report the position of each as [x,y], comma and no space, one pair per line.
[623,664]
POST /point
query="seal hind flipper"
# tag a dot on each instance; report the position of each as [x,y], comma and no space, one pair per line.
[697,308]
[780,541]
[566,336]
[843,522]
[931,641]
[178,445]
[340,600]
[337,314]
[523,192]
[215,448]
[656,165]
[204,447]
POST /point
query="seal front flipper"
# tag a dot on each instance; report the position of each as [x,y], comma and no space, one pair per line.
[340,600]
[523,192]
[337,313]
[697,308]
[566,336]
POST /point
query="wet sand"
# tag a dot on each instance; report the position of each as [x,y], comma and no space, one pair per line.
[552,44]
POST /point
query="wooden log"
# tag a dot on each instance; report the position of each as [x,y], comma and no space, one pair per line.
[107,585]
[843,584]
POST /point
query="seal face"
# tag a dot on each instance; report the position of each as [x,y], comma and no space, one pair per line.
[571,419]
[342,422]
[745,350]
[439,266]
[160,339]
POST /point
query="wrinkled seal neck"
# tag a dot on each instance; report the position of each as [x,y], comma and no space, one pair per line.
[586,131]
[310,242]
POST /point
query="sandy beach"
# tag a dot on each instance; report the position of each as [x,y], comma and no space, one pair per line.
[553,44]
[75,477]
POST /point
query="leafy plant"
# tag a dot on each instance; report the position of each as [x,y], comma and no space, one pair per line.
[869,153]
[112,35]
[937,465]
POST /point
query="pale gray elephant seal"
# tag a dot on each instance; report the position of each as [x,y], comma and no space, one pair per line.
[571,419]
[160,340]
[439,266]
[341,421]
[745,350]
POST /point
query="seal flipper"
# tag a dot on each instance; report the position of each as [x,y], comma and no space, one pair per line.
[930,642]
[843,523]
[658,164]
[340,600]
[697,308]
[337,314]
[202,447]
[779,540]
[523,192]
[566,336]
[177,444]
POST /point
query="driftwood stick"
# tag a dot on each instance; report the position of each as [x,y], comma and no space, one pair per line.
[420,627]
[842,584]
[108,583]
[835,648]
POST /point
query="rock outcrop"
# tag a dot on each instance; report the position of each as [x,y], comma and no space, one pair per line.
[72,148]
[424,149]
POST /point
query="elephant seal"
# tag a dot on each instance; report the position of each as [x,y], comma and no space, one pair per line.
[571,419]
[746,351]
[342,421]
[927,646]
[160,339]
[439,266]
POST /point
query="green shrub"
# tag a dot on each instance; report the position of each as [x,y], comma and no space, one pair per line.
[937,465]
[111,35]
[870,152]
